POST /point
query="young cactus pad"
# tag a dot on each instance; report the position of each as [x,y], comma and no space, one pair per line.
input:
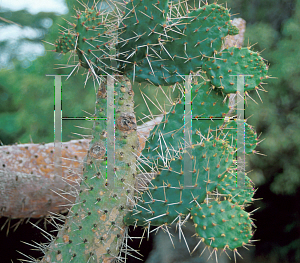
[222,224]
[92,37]
[233,61]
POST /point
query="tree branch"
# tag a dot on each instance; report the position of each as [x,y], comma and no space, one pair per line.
[27,174]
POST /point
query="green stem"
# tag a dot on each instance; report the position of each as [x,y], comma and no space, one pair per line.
[94,230]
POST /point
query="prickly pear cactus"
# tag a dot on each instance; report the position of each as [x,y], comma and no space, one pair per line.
[160,42]
[167,200]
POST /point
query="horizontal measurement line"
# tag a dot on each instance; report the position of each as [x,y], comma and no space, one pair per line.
[82,118]
[94,118]
[213,118]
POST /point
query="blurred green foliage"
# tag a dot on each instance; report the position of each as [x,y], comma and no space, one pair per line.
[275,27]
[278,116]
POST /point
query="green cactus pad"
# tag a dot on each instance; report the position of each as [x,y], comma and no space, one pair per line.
[201,35]
[222,224]
[228,186]
[171,128]
[141,26]
[92,38]
[229,132]
[166,197]
[235,61]
[95,38]
[182,48]
[208,103]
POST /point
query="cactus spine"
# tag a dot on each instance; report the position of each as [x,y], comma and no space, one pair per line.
[159,42]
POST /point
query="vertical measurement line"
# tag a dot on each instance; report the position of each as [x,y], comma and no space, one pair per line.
[110,132]
[187,134]
[111,118]
[57,128]
[241,127]
[57,124]
[241,160]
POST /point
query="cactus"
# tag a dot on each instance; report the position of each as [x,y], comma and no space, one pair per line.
[159,42]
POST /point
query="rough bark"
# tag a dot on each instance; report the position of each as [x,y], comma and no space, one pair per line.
[27,174]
